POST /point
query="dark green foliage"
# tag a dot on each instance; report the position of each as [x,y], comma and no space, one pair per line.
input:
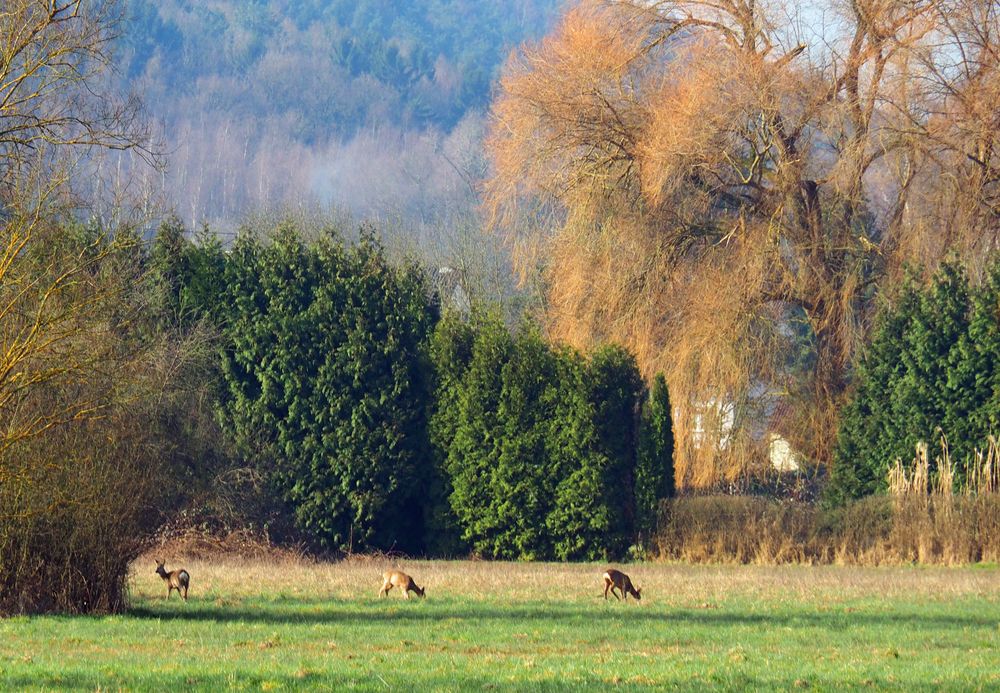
[595,513]
[974,371]
[539,444]
[868,421]
[923,402]
[581,523]
[473,452]
[188,278]
[615,389]
[450,354]
[204,292]
[930,371]
[327,384]
[655,474]
[522,480]
[168,258]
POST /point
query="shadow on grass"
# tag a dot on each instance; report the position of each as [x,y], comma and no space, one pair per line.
[312,611]
[387,680]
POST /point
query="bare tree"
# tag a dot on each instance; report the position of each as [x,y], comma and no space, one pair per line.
[727,184]
[956,128]
[54,55]
[56,105]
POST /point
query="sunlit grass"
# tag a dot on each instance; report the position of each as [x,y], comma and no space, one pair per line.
[260,625]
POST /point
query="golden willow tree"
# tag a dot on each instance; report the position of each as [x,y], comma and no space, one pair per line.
[725,186]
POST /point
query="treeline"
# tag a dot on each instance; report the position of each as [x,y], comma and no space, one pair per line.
[383,420]
[304,386]
[374,106]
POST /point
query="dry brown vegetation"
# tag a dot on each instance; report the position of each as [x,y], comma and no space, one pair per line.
[717,184]
[243,544]
[227,578]
[923,520]
[954,530]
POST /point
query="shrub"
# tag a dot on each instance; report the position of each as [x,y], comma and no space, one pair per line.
[655,473]
[82,478]
[86,501]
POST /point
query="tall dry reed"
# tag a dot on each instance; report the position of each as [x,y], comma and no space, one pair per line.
[928,516]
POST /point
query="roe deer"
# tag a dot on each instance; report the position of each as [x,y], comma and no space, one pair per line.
[616,578]
[397,578]
[175,579]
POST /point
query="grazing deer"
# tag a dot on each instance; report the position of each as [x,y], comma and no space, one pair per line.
[175,579]
[397,578]
[616,578]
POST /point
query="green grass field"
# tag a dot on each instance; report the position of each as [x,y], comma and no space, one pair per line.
[488,626]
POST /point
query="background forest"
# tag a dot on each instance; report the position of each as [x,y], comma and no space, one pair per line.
[374,106]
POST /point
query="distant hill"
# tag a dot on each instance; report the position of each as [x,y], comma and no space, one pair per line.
[369,104]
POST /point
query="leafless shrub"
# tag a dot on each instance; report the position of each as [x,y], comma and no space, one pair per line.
[203,544]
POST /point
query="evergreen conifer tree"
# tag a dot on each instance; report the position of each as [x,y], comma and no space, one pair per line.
[326,384]
[655,475]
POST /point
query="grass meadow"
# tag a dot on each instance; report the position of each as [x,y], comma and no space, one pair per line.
[273,625]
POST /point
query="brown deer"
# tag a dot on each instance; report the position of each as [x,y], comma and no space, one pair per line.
[175,579]
[397,578]
[616,578]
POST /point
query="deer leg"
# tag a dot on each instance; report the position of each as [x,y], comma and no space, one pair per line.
[607,584]
[613,587]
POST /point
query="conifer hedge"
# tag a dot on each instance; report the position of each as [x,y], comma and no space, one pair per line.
[932,369]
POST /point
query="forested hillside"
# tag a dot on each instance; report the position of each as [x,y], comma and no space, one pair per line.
[374,105]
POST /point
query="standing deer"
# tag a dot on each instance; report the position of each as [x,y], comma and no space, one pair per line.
[397,578]
[616,578]
[175,579]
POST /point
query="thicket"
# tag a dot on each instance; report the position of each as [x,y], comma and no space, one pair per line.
[98,443]
[931,374]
